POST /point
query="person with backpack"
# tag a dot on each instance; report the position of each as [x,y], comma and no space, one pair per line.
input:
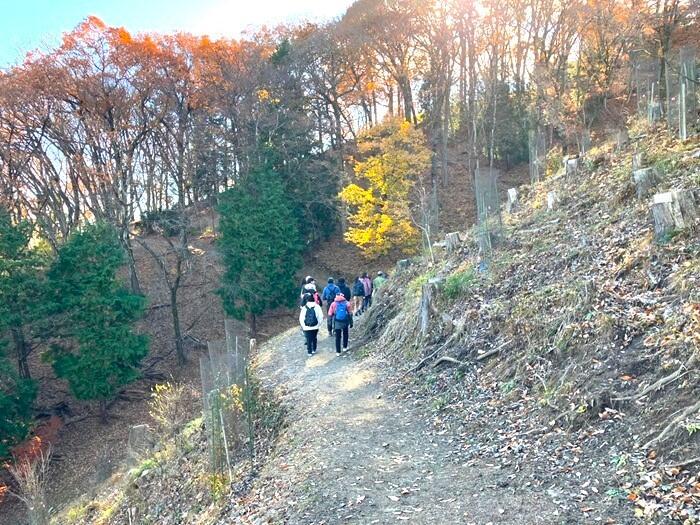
[344,288]
[310,319]
[310,288]
[367,299]
[341,312]
[307,280]
[358,295]
[328,295]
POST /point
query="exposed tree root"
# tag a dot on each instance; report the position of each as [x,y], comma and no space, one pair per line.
[450,360]
[422,363]
[681,371]
[682,464]
[493,352]
[671,427]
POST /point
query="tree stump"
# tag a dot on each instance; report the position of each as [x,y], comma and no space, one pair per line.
[402,264]
[654,112]
[622,138]
[638,161]
[512,203]
[644,180]
[571,167]
[552,200]
[427,303]
[673,210]
[140,443]
[452,242]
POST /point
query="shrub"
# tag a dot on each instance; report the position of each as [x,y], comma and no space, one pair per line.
[458,283]
[16,407]
[31,476]
[167,222]
[170,408]
[415,286]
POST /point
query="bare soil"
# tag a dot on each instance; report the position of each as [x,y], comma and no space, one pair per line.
[353,452]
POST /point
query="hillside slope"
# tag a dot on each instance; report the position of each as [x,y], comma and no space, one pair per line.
[567,357]
[553,380]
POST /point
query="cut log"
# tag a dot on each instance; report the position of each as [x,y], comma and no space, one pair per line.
[638,161]
[512,203]
[452,242]
[427,304]
[673,211]
[645,180]
[552,200]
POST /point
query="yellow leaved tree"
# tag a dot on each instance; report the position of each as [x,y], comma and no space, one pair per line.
[394,157]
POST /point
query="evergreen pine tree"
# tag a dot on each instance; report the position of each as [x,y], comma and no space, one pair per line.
[16,406]
[260,247]
[21,287]
[99,351]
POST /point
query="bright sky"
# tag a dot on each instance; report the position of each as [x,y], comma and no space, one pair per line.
[28,24]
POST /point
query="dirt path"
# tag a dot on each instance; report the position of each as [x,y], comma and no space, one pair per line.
[353,454]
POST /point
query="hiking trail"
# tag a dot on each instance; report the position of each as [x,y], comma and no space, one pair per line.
[353,453]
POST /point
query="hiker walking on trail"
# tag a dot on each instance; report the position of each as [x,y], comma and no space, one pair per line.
[379,280]
[307,280]
[310,288]
[358,295]
[328,295]
[344,288]
[367,299]
[341,312]
[310,319]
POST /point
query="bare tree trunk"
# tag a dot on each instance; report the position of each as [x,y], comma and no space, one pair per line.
[407,95]
[179,347]
[103,411]
[253,320]
[390,96]
[22,351]
[446,118]
[131,260]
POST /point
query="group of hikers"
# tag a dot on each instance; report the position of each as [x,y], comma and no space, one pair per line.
[340,311]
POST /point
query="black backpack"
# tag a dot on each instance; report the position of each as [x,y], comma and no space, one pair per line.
[310,318]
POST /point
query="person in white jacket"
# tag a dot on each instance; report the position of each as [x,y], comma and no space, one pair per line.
[310,319]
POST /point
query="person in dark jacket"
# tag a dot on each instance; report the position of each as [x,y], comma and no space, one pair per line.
[358,295]
[341,312]
[310,288]
[344,288]
[328,295]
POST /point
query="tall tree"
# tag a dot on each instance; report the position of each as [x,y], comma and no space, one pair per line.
[21,287]
[98,350]
[17,397]
[395,158]
[260,246]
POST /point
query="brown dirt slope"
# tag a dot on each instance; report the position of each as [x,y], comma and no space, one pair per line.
[355,453]
[568,356]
